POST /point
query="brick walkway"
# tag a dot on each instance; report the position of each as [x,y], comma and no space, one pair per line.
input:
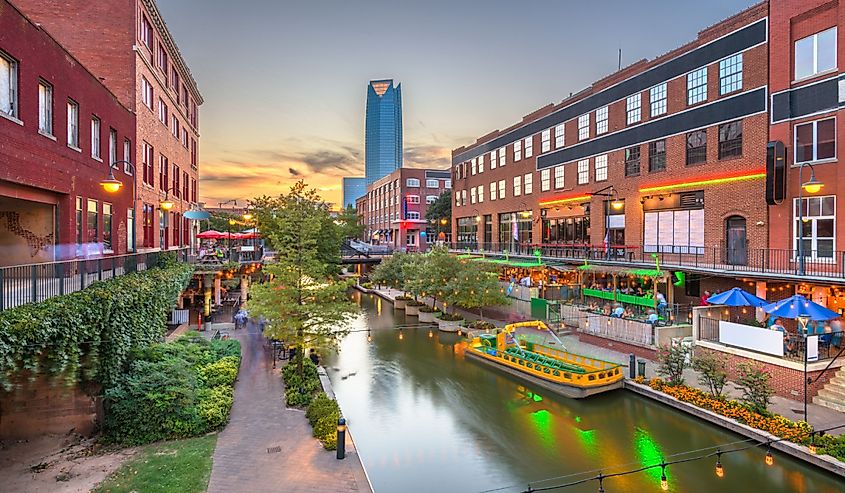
[260,421]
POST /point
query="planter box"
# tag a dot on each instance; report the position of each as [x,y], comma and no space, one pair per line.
[412,310]
[428,317]
[399,304]
[449,325]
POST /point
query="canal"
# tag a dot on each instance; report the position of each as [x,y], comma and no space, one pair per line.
[424,419]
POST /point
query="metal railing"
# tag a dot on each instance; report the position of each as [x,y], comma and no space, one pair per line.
[29,283]
[818,263]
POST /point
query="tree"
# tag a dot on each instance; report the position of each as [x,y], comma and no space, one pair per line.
[756,386]
[303,303]
[348,222]
[672,361]
[440,209]
[713,371]
[437,268]
[389,272]
[475,285]
[219,221]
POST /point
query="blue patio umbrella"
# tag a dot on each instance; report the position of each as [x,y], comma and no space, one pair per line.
[798,306]
[736,297]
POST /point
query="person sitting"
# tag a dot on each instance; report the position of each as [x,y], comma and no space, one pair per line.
[606,309]
[652,317]
[640,291]
[776,324]
[788,343]
[628,313]
[618,311]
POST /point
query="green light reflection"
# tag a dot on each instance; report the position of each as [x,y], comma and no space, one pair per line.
[649,453]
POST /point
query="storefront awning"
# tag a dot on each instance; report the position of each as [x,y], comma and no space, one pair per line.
[608,269]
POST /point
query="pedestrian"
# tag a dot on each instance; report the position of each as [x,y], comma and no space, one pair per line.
[704,297]
[315,358]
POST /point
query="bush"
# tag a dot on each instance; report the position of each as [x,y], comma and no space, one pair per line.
[222,372]
[300,390]
[672,361]
[714,371]
[481,325]
[450,317]
[413,302]
[404,297]
[226,347]
[428,309]
[757,390]
[367,285]
[830,445]
[214,405]
[323,414]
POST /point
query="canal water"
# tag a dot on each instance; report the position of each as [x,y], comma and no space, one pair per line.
[425,419]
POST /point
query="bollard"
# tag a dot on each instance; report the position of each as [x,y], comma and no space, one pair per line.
[632,365]
[641,368]
[341,438]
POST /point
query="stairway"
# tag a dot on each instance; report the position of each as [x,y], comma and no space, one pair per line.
[832,395]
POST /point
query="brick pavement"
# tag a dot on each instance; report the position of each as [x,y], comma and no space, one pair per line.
[260,421]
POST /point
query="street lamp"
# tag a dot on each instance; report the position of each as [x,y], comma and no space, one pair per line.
[803,320]
[112,185]
[811,186]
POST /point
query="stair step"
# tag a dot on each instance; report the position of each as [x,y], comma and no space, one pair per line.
[829,404]
[833,393]
[837,380]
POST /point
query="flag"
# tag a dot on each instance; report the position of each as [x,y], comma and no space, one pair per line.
[515,227]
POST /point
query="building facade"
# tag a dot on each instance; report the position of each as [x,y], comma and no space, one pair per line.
[394,207]
[128,46]
[353,188]
[383,133]
[60,128]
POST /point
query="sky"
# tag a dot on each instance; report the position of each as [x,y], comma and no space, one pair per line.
[285,82]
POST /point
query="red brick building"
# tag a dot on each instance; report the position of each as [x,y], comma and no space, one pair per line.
[60,127]
[128,46]
[393,209]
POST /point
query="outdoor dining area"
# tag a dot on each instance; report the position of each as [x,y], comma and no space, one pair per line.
[218,247]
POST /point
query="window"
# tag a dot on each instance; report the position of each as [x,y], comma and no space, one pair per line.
[162,112]
[528,183]
[193,190]
[481,163]
[730,74]
[412,182]
[517,151]
[112,146]
[413,199]
[696,147]
[559,136]
[107,228]
[601,167]
[184,137]
[45,108]
[130,229]
[545,180]
[674,231]
[161,60]
[79,230]
[93,222]
[501,189]
[463,197]
[493,190]
[815,54]
[447,184]
[529,147]
[817,229]
[493,160]
[8,85]
[185,185]
[815,141]
[431,183]
[72,124]
[632,161]
[146,93]
[697,86]
[657,98]
[473,166]
[146,31]
[480,193]
[546,140]
[517,186]
[583,171]
[584,127]
[657,155]
[147,156]
[163,173]
[430,199]
[633,108]
[175,127]
[730,140]
[601,120]
[127,156]
[472,195]
[95,137]
[175,188]
[501,156]
[559,175]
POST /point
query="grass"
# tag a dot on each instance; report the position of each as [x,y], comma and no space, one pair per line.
[181,466]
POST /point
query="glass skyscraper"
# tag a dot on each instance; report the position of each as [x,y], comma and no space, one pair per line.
[383,146]
[353,188]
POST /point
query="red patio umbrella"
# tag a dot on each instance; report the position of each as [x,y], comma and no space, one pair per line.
[212,235]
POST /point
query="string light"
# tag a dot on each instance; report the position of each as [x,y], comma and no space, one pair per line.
[664,483]
[770,461]
[720,471]
[369,337]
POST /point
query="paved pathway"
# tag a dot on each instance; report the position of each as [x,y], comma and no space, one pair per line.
[260,421]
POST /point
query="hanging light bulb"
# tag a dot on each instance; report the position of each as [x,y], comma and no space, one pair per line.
[720,471]
[664,483]
[601,486]
[769,459]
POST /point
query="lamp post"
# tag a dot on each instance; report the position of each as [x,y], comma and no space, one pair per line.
[112,185]
[229,233]
[341,436]
[811,186]
[803,320]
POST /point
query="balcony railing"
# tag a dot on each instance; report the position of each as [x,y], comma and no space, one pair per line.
[769,261]
[21,284]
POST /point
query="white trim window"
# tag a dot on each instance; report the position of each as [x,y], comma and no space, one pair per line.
[730,74]
[657,99]
[473,166]
[601,120]
[8,85]
[457,198]
[559,177]
[815,141]
[146,93]
[447,184]
[431,183]
[45,108]
[697,86]
[501,156]
[112,146]
[545,180]
[72,124]
[412,215]
[472,192]
[517,186]
[480,194]
[560,134]
[412,182]
[583,171]
[492,159]
[600,165]
[517,151]
[463,197]
[815,54]
[818,230]
[584,127]
[481,163]
[528,183]
[162,112]
[492,190]
[529,147]
[430,199]
[674,231]
[546,140]
[633,107]
[127,156]
[413,199]
[502,190]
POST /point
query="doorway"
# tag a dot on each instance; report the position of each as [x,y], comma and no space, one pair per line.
[736,239]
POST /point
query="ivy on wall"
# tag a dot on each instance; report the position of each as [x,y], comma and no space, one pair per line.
[87,336]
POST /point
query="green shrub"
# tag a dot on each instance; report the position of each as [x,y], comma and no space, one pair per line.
[450,317]
[831,445]
[428,309]
[222,372]
[226,347]
[214,405]
[300,390]
[323,414]
[413,302]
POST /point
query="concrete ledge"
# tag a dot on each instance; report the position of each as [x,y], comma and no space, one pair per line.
[800,452]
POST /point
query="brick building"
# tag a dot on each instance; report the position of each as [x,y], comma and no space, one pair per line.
[128,46]
[60,127]
[393,209]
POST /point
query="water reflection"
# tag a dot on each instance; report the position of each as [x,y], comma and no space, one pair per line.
[424,419]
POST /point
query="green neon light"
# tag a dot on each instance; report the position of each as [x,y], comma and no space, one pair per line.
[577,419]
[648,454]
[537,398]
[543,423]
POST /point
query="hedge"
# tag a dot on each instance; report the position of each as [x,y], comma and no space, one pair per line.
[88,335]
[323,414]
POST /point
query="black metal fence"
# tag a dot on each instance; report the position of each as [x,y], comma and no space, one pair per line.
[21,284]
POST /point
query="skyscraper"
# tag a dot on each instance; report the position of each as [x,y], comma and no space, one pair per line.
[383,146]
[353,187]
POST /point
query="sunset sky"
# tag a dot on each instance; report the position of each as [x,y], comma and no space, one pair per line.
[285,82]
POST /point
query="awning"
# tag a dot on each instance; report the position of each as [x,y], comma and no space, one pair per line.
[609,269]
[196,215]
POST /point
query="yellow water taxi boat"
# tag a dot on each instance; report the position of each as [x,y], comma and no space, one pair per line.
[568,374]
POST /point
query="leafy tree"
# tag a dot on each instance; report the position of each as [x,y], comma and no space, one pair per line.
[475,285]
[713,371]
[438,268]
[672,361]
[756,386]
[303,302]
[348,223]
[440,209]
[219,221]
[389,272]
